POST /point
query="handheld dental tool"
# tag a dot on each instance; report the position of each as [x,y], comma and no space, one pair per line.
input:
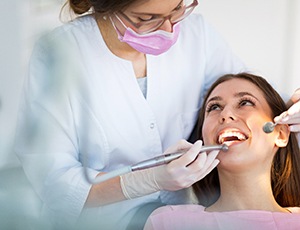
[270,126]
[167,158]
[152,162]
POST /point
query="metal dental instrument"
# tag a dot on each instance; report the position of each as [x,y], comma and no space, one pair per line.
[153,162]
[270,126]
[166,158]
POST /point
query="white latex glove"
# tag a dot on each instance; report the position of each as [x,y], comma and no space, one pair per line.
[178,174]
[186,170]
[292,115]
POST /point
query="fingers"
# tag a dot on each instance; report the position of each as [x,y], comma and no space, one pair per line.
[188,169]
[291,120]
[295,128]
[187,158]
[280,118]
[202,166]
[211,167]
[179,146]
[296,96]
[291,117]
[205,163]
[211,163]
[294,110]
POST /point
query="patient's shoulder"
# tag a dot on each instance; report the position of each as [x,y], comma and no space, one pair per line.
[179,209]
[294,209]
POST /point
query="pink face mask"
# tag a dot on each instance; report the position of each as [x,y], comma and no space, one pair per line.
[154,43]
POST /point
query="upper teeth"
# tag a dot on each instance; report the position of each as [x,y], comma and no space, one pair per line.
[234,134]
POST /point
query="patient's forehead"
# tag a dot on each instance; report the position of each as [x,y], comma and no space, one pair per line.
[238,88]
[235,86]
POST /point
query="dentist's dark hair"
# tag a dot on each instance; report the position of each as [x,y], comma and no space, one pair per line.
[99,6]
[285,173]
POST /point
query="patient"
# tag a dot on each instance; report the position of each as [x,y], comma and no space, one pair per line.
[257,182]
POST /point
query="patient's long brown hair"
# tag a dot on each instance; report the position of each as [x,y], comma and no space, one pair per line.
[285,170]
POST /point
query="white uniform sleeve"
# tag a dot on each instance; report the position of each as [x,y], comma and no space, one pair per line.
[46,140]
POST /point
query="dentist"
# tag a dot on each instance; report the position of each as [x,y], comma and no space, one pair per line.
[119,84]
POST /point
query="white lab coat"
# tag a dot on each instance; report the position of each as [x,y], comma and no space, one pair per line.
[81,100]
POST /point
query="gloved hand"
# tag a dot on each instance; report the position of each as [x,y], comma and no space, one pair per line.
[292,115]
[178,174]
[186,170]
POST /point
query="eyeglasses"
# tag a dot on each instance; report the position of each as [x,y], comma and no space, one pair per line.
[185,8]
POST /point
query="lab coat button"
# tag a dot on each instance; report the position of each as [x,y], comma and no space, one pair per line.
[152,126]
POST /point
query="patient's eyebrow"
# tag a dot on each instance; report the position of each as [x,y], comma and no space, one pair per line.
[241,94]
[216,98]
[238,95]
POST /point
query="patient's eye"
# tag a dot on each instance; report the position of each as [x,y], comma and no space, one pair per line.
[213,106]
[246,102]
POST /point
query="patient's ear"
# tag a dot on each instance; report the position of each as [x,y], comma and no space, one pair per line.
[283,133]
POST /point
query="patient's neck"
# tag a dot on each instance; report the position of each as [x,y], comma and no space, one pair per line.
[245,192]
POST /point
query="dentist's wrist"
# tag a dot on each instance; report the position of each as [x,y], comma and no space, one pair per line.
[139,183]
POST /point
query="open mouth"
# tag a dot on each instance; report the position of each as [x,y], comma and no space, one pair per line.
[230,137]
